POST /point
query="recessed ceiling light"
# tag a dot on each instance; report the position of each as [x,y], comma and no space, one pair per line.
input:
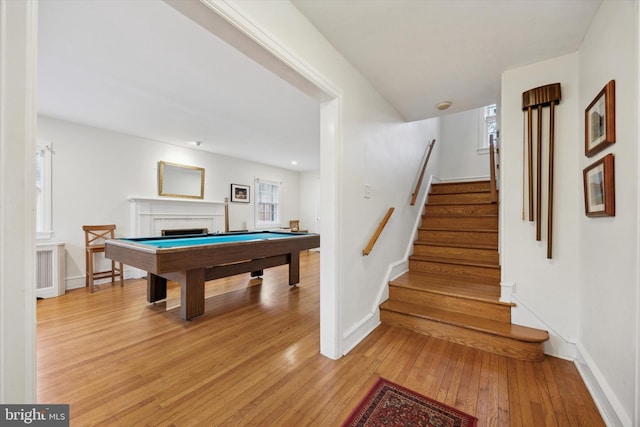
[443,105]
[196,143]
[294,162]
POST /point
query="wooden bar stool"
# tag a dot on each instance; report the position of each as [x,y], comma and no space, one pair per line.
[294,225]
[94,238]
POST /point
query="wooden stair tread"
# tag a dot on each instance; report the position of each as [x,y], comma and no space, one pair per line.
[472,225]
[461,230]
[459,206]
[469,191]
[458,245]
[461,210]
[458,186]
[447,285]
[477,202]
[454,261]
[452,288]
[492,327]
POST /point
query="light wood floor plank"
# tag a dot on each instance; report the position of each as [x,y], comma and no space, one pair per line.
[253,359]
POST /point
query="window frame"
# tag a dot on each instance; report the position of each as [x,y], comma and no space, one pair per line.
[43,163]
[277,222]
[483,124]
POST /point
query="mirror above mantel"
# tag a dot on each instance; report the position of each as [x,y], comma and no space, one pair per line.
[175,180]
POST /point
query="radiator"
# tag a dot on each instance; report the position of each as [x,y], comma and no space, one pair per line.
[50,270]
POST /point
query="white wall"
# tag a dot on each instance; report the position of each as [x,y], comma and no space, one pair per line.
[545,288]
[588,293]
[309,201]
[459,157]
[95,172]
[18,59]
[608,255]
[374,146]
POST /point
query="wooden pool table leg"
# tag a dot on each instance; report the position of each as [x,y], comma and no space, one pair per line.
[294,268]
[156,288]
[191,293]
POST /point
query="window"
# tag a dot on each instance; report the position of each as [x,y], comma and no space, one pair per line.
[267,203]
[488,127]
[43,190]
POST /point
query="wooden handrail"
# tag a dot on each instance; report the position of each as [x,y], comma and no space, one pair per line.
[492,162]
[375,236]
[414,196]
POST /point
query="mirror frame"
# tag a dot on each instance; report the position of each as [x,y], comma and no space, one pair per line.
[198,190]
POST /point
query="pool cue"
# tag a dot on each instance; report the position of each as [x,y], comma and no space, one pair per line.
[539,177]
[530,160]
[524,153]
[550,193]
[543,96]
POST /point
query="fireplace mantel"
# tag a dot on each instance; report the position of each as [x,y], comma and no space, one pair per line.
[150,215]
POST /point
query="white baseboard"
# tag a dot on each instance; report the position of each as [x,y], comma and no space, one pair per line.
[354,335]
[359,331]
[610,407]
[77,282]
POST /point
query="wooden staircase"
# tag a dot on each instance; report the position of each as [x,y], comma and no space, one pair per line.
[452,288]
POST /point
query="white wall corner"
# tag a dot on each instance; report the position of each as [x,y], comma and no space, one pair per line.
[354,335]
[608,404]
[506,290]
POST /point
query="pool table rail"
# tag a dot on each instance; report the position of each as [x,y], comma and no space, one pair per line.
[193,265]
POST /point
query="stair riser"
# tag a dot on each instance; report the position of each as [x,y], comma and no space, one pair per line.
[462,256]
[451,303]
[484,256]
[460,238]
[483,275]
[457,199]
[461,210]
[462,187]
[515,349]
[469,223]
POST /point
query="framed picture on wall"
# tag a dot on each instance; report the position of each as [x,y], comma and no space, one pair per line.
[599,188]
[239,193]
[600,121]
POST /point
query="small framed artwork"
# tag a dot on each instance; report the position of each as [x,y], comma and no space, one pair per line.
[599,188]
[239,193]
[600,121]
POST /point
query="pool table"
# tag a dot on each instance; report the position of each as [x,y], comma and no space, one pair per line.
[194,259]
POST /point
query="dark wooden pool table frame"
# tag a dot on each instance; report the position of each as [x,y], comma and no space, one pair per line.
[192,266]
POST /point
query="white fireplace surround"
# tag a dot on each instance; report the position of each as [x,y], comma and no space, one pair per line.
[151,215]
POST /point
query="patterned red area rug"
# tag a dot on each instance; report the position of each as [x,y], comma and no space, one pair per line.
[388,404]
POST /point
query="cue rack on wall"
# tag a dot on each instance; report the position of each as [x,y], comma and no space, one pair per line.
[539,99]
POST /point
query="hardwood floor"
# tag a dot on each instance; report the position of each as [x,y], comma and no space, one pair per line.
[253,359]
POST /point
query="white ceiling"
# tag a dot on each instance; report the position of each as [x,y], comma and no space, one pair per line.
[418,53]
[142,68]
